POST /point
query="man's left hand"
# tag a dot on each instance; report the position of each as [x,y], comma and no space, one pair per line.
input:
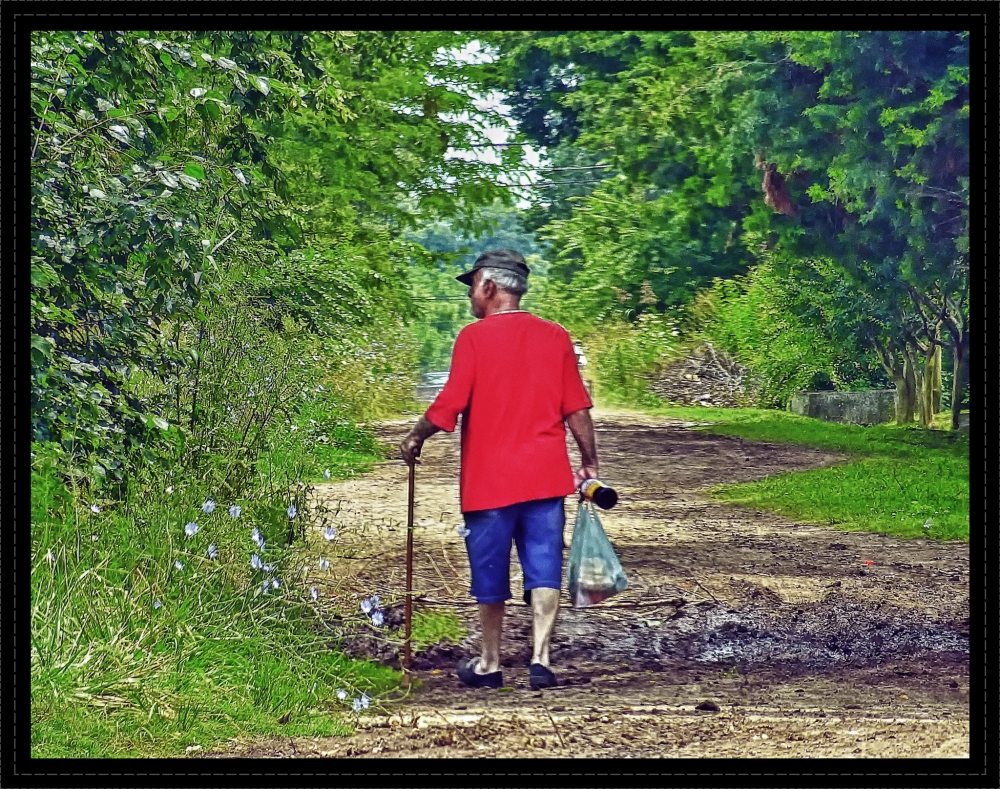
[584,473]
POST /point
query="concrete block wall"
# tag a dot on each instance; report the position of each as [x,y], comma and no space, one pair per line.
[867,407]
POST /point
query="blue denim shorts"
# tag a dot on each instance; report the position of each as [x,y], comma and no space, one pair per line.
[536,527]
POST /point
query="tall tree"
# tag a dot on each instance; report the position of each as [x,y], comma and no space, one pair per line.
[848,147]
[882,151]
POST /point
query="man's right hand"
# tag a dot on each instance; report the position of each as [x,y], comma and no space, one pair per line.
[411,449]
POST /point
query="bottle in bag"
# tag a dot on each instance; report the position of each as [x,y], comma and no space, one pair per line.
[596,491]
[595,582]
[593,571]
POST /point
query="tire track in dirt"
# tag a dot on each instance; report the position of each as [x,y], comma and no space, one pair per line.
[801,648]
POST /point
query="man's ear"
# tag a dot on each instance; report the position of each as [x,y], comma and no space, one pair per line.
[489,289]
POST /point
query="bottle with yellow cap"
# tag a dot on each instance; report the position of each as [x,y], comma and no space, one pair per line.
[599,493]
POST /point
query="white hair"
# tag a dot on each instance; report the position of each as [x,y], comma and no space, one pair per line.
[505,279]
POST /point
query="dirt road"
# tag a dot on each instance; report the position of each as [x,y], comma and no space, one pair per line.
[741,633]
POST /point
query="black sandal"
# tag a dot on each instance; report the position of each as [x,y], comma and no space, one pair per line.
[467,673]
[540,676]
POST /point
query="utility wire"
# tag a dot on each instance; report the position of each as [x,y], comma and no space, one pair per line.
[550,184]
[550,169]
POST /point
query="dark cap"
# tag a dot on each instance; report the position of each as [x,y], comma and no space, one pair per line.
[508,259]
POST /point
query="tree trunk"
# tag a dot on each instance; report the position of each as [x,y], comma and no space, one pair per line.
[889,357]
[904,396]
[936,390]
[930,389]
[961,361]
[911,389]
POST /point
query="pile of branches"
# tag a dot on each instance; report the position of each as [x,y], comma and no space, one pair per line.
[705,376]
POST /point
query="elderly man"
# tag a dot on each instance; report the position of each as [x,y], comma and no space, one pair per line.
[515,380]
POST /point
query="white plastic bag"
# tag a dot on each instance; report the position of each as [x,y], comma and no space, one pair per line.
[594,572]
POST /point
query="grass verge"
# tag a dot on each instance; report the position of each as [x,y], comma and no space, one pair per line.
[155,630]
[900,480]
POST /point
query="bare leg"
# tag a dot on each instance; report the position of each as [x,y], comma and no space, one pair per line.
[491,623]
[544,608]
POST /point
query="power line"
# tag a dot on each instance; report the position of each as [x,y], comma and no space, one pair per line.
[568,183]
[550,184]
[491,145]
[552,169]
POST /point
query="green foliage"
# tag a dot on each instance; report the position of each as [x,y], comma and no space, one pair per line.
[882,151]
[182,179]
[846,148]
[435,627]
[442,310]
[776,322]
[322,438]
[623,356]
[382,157]
[140,147]
[670,214]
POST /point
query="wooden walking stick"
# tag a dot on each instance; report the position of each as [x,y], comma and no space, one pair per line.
[409,568]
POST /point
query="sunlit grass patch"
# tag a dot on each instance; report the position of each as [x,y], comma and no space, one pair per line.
[900,480]
[922,497]
[436,627]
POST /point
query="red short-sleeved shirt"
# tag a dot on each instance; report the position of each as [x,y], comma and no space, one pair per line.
[514,378]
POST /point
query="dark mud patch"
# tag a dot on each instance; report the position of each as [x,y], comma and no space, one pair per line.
[756,638]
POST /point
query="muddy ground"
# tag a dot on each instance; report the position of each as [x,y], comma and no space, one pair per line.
[741,633]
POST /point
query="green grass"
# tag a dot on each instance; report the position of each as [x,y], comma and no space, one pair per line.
[209,708]
[435,627]
[113,674]
[896,480]
[322,438]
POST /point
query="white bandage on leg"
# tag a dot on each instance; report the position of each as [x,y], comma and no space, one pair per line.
[545,609]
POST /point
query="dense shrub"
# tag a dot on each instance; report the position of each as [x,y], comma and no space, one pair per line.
[773,326]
